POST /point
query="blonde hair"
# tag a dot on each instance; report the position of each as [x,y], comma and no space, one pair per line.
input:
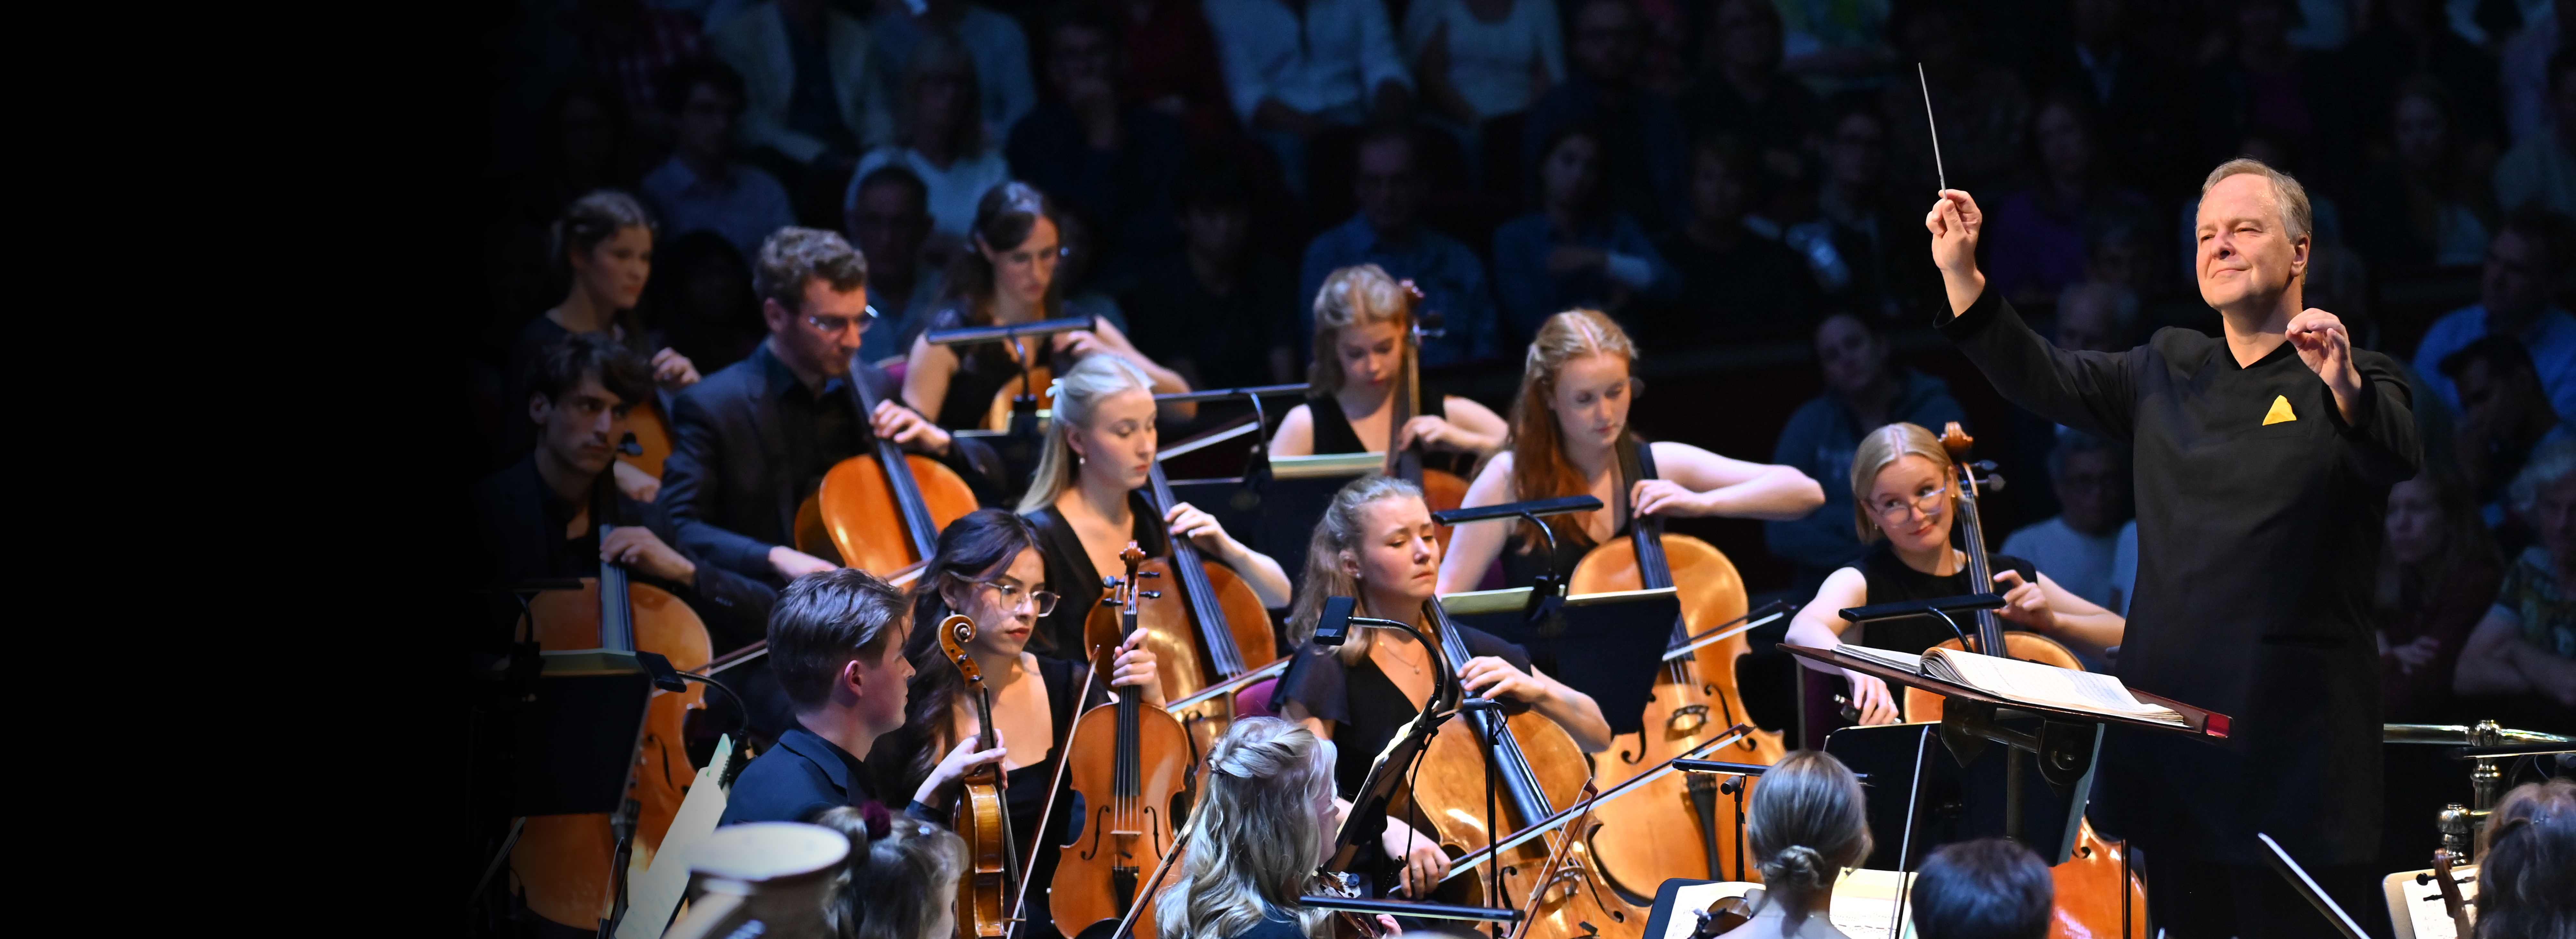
[1364,295]
[1882,447]
[1257,832]
[2297,218]
[1808,821]
[1539,467]
[1080,390]
[898,878]
[1339,531]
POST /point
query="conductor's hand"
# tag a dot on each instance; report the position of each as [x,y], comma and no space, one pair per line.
[905,426]
[2326,347]
[954,766]
[1135,668]
[2025,603]
[1956,223]
[1424,863]
[1869,695]
[635,546]
[1490,677]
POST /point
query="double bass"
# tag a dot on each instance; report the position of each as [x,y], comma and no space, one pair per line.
[982,817]
[1695,699]
[1131,762]
[881,510]
[1441,490]
[1207,627]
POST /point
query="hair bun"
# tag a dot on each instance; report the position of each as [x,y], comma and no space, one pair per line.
[1797,868]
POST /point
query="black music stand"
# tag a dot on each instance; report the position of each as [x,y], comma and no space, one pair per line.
[578,740]
[1611,648]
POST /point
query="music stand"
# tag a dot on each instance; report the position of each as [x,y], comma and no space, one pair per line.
[578,741]
[1611,648]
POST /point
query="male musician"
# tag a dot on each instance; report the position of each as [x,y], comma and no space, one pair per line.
[836,644]
[533,521]
[2264,461]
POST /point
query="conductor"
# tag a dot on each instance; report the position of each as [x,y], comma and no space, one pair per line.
[2264,461]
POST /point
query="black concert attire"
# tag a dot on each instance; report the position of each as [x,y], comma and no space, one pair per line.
[1273,925]
[519,526]
[517,436]
[1333,433]
[2259,531]
[801,777]
[1524,560]
[1069,573]
[985,368]
[1891,581]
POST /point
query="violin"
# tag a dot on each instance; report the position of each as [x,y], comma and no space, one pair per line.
[1131,762]
[570,865]
[2452,903]
[883,509]
[1441,490]
[1695,699]
[1212,630]
[982,818]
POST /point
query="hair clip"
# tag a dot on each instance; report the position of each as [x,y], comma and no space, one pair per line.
[880,821]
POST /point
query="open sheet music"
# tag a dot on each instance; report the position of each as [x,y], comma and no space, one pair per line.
[2016,680]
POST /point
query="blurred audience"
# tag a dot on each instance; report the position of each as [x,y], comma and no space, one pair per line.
[1389,233]
[1576,251]
[590,146]
[1476,60]
[1107,159]
[2075,547]
[1297,70]
[2532,256]
[701,303]
[889,222]
[2431,207]
[701,187]
[2039,232]
[2504,416]
[1862,392]
[1170,63]
[2525,648]
[2529,79]
[2529,843]
[1640,132]
[631,45]
[1003,91]
[1217,310]
[2407,42]
[1836,45]
[1861,248]
[2542,168]
[2261,85]
[1984,108]
[938,137]
[2143,133]
[2436,581]
[1742,92]
[813,97]
[1736,285]
[1989,888]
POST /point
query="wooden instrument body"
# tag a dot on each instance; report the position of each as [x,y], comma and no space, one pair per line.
[564,861]
[1173,635]
[1925,707]
[1041,383]
[1132,762]
[981,816]
[855,512]
[1442,490]
[1694,699]
[652,436]
[2090,902]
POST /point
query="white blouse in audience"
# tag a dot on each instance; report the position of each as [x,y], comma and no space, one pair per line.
[1491,63]
[953,191]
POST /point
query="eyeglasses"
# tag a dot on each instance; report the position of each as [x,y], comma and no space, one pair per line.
[1013,597]
[1893,509]
[836,325]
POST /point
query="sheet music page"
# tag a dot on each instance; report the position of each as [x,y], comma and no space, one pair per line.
[652,895]
[1900,660]
[2424,907]
[2045,684]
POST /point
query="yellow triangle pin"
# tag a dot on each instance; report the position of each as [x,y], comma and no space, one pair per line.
[2280,411]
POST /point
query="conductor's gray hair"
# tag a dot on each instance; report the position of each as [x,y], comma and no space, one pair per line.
[2297,218]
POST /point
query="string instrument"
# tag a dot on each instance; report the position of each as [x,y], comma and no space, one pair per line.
[1555,878]
[1131,762]
[568,865]
[1695,699]
[982,817]
[652,435]
[1205,627]
[1441,490]
[2452,903]
[1365,823]
[2098,891]
[882,509]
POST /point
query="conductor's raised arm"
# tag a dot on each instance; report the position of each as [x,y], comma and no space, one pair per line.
[2088,391]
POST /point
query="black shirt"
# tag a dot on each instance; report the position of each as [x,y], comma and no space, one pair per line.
[519,527]
[1333,433]
[1891,581]
[983,370]
[1069,573]
[1215,340]
[1365,706]
[796,780]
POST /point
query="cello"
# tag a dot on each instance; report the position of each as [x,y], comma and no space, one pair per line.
[883,509]
[1132,764]
[569,866]
[981,818]
[1695,699]
[2098,891]
[1213,630]
[1441,490]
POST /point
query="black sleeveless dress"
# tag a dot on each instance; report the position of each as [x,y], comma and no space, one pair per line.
[1333,433]
[1890,581]
[1523,562]
[1069,573]
[983,370]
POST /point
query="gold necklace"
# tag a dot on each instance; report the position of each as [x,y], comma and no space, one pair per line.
[1415,666]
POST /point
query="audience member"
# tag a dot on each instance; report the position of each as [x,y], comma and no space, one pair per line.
[1300,69]
[1836,46]
[1862,392]
[2120,251]
[2432,211]
[2141,128]
[1640,133]
[1389,233]
[2542,168]
[2264,86]
[1735,284]
[2526,646]
[1108,160]
[2436,581]
[2097,317]
[2528,259]
[889,222]
[1575,251]
[1872,265]
[2075,547]
[1809,820]
[2530,58]
[999,51]
[701,187]
[702,304]
[813,97]
[2504,415]
[2528,844]
[1990,888]
[2039,244]
[630,44]
[2408,41]
[1742,92]
[900,881]
[2092,317]
[1171,64]
[1477,60]
[590,146]
[1983,107]
[939,139]
[1218,311]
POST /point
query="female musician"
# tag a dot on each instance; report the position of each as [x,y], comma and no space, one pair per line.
[1375,543]
[1808,821]
[987,567]
[900,876]
[1008,277]
[1361,318]
[1085,504]
[1903,487]
[1570,437]
[606,238]
[1264,825]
